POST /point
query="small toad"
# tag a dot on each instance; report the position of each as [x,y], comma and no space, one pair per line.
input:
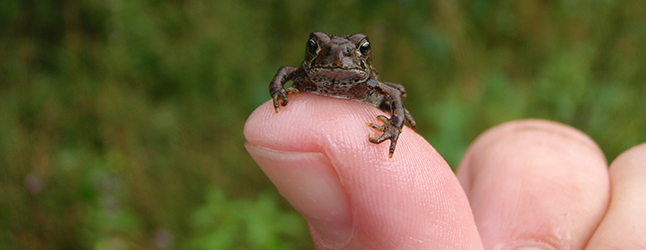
[341,66]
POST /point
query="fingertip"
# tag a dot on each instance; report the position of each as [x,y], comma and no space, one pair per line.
[515,136]
[630,165]
[535,180]
[624,224]
[410,199]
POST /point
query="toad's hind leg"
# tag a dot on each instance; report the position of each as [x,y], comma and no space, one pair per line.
[402,95]
[410,119]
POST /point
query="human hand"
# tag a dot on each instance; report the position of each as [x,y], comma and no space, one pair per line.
[525,183]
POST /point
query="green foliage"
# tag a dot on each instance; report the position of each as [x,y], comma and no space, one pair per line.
[121,121]
[244,224]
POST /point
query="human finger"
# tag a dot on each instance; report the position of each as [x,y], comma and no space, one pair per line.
[316,152]
[624,225]
[535,183]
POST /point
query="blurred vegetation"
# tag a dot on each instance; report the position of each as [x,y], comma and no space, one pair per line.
[121,121]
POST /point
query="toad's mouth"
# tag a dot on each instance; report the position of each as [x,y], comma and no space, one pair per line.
[326,76]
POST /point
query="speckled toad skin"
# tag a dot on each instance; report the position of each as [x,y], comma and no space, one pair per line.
[341,66]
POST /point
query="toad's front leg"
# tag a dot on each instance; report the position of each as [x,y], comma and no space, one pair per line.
[391,132]
[277,91]
[392,126]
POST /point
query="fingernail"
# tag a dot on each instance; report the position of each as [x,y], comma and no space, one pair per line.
[532,246]
[310,183]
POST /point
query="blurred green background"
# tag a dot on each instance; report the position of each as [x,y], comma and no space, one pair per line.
[121,121]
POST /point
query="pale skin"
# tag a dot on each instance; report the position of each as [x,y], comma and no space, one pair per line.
[527,183]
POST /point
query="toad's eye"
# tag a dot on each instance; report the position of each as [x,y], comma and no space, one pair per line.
[312,46]
[364,47]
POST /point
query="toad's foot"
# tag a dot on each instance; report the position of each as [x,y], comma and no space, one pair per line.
[391,132]
[280,96]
